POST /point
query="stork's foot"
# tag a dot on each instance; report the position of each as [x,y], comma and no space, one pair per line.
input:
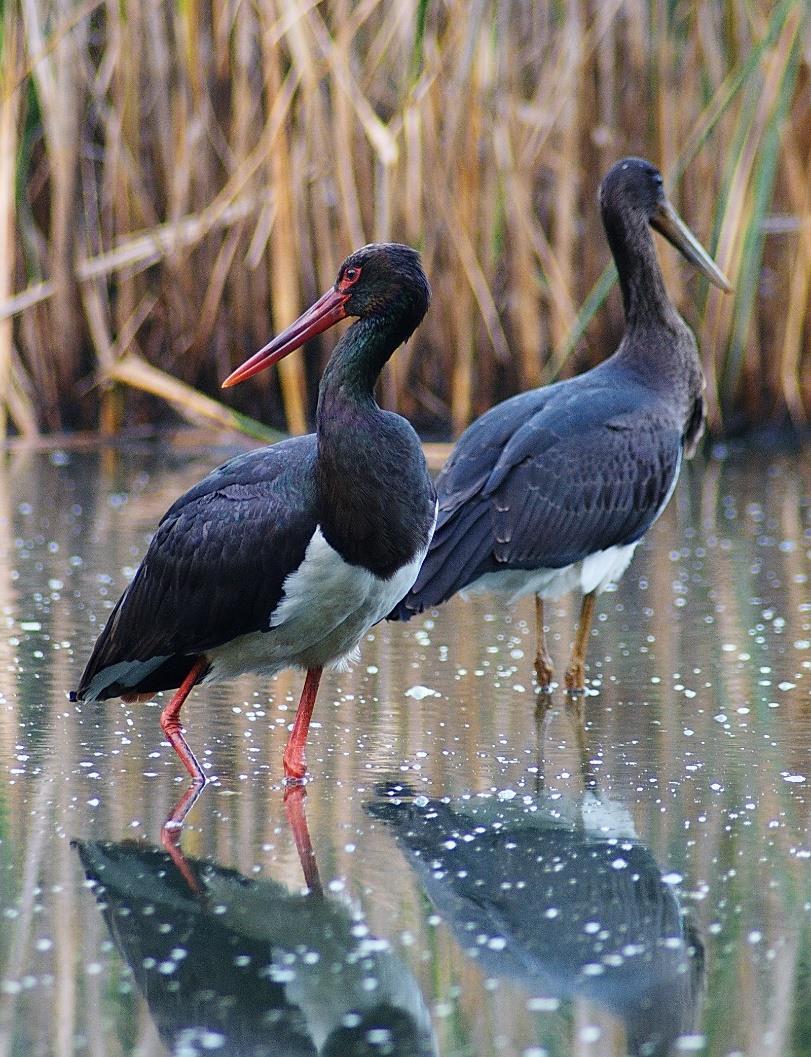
[544,673]
[295,769]
[576,672]
[170,725]
[576,678]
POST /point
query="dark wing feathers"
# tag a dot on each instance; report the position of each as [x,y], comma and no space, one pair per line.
[547,478]
[462,545]
[217,562]
[569,503]
[479,448]
[246,471]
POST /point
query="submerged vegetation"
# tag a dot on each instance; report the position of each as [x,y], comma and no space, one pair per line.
[177,179]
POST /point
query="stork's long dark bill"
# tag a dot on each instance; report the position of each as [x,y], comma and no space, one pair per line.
[668,223]
[329,309]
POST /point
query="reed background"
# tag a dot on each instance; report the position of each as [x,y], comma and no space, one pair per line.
[177,179]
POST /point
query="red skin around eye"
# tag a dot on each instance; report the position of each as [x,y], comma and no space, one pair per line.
[346,281]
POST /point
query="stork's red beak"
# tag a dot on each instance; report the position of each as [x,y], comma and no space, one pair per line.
[328,310]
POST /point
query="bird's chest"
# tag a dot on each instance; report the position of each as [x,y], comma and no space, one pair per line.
[327,605]
[341,591]
[376,509]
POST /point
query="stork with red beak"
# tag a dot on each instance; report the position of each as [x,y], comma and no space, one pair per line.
[287,555]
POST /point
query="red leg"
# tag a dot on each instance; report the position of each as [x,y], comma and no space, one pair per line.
[171,832]
[177,816]
[297,819]
[170,723]
[294,766]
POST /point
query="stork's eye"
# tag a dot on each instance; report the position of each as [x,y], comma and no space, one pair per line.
[350,277]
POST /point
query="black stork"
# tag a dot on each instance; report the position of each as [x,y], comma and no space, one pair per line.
[553,489]
[273,972]
[287,555]
[541,891]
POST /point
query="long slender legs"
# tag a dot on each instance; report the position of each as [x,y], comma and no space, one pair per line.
[173,830]
[575,706]
[543,662]
[294,798]
[294,766]
[543,717]
[576,672]
[170,722]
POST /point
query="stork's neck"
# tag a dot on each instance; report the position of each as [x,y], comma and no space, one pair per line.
[347,410]
[375,498]
[657,344]
[643,289]
[350,376]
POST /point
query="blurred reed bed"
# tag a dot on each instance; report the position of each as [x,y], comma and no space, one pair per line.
[178,179]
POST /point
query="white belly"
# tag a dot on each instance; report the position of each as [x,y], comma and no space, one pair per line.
[327,607]
[593,573]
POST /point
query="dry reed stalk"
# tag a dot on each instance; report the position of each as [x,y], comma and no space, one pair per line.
[58,78]
[245,112]
[13,399]
[143,250]
[739,241]
[477,130]
[525,302]
[567,170]
[667,113]
[20,400]
[194,406]
[286,297]
[799,288]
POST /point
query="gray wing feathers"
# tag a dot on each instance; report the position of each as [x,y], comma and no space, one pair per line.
[587,471]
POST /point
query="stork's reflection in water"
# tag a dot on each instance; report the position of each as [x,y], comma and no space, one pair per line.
[247,967]
[557,893]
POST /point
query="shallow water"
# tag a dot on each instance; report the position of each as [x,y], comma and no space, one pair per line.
[627,873]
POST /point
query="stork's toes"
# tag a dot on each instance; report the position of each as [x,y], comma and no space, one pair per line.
[576,678]
[544,673]
[295,770]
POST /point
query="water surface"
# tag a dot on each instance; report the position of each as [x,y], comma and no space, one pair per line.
[474,870]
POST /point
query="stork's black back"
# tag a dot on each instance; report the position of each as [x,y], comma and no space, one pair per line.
[551,476]
[208,575]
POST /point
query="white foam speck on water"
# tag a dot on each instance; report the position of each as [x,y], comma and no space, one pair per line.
[419,692]
[691,1043]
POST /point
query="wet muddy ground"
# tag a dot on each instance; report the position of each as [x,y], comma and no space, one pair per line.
[473,870]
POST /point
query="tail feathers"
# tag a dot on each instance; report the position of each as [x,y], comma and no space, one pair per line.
[115,680]
[454,560]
